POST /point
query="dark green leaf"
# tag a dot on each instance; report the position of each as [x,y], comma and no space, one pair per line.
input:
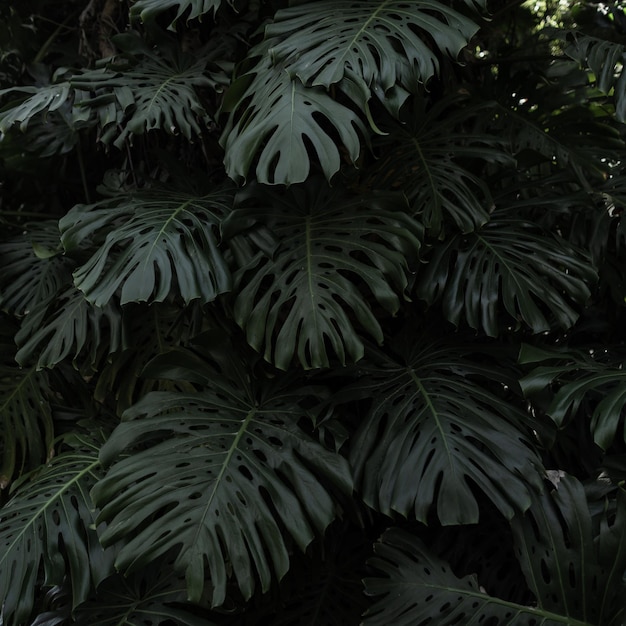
[310,297]
[508,265]
[49,524]
[153,244]
[26,428]
[223,476]
[435,433]
[147,10]
[68,326]
[419,588]
[383,42]
[584,382]
[277,121]
[573,564]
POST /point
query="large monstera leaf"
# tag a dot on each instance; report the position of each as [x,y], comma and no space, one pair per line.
[310,298]
[26,428]
[435,433]
[512,266]
[224,476]
[150,244]
[33,268]
[415,586]
[381,41]
[579,382]
[574,558]
[277,121]
[49,524]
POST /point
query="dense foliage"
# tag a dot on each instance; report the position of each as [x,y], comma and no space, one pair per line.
[312,312]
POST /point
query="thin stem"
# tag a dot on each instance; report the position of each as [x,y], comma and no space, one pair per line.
[81,166]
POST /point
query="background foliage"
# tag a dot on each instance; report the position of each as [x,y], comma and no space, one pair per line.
[312,312]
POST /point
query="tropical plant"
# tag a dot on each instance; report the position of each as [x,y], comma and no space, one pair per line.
[312,312]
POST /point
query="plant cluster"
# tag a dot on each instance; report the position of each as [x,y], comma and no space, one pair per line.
[312,312]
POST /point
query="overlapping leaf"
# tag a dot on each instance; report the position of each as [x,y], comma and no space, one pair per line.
[26,428]
[430,157]
[153,596]
[384,42]
[310,297]
[225,477]
[574,561]
[151,244]
[49,524]
[435,433]
[147,10]
[68,326]
[33,269]
[152,89]
[281,124]
[417,587]
[579,381]
[509,266]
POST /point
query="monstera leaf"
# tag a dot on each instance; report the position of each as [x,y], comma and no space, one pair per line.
[573,560]
[153,596]
[579,380]
[147,10]
[308,298]
[33,268]
[430,155]
[67,325]
[149,90]
[509,265]
[26,428]
[283,124]
[414,586]
[435,434]
[224,476]
[605,59]
[49,524]
[152,244]
[383,42]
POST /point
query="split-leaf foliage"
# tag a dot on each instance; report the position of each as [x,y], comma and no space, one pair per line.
[312,312]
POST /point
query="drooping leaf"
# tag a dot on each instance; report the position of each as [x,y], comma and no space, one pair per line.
[49,524]
[33,268]
[384,42]
[429,157]
[68,326]
[512,266]
[225,476]
[147,10]
[277,122]
[574,563]
[435,433]
[417,587]
[152,244]
[579,381]
[310,298]
[26,428]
